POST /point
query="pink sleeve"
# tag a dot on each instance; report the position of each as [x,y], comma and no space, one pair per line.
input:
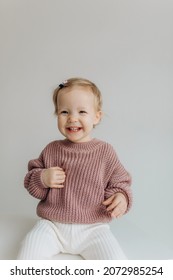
[33,182]
[119,179]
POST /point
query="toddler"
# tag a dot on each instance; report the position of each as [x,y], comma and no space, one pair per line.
[80,182]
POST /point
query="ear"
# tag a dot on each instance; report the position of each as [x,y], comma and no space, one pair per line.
[98,117]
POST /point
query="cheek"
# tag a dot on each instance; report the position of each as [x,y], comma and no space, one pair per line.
[93,118]
[89,121]
[60,122]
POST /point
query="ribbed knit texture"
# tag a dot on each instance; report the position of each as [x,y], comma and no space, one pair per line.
[93,173]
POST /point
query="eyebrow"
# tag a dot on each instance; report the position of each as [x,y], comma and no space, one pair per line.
[66,108]
[62,108]
[82,108]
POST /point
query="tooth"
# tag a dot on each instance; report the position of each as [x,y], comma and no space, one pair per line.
[74,129]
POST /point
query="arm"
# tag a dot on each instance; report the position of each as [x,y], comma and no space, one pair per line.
[118,192]
[39,178]
[33,180]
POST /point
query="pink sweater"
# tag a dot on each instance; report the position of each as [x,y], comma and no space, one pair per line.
[93,173]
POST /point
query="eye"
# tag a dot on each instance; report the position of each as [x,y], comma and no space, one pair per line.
[82,112]
[64,112]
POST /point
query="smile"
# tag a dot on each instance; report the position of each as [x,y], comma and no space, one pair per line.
[74,129]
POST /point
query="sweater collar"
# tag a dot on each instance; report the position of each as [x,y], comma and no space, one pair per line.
[89,145]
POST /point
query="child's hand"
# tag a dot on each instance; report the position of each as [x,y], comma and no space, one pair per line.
[53,177]
[116,205]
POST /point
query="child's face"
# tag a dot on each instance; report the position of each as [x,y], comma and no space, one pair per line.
[77,113]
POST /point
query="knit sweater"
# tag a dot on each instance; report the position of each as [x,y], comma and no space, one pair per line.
[93,173]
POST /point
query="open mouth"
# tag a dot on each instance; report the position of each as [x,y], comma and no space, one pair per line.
[73,129]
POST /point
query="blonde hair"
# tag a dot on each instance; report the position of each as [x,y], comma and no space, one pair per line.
[78,82]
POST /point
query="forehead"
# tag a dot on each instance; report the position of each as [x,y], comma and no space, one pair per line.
[76,94]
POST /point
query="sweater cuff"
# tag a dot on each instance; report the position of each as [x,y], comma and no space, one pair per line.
[38,179]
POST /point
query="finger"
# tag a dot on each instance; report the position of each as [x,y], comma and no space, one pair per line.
[118,212]
[115,202]
[118,201]
[116,215]
[113,205]
[59,181]
[119,216]
[57,186]
[60,186]
[108,201]
[56,168]
[60,176]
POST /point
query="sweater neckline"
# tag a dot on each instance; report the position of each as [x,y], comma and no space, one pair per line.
[89,145]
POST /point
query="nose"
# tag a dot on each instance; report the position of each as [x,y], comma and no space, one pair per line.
[72,118]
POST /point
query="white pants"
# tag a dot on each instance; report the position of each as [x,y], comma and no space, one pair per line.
[91,241]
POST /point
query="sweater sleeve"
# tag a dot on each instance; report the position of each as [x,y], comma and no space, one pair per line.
[119,180]
[33,182]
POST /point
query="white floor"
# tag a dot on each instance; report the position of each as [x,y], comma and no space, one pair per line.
[135,243]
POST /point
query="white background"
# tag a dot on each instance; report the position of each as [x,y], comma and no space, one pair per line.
[126,48]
